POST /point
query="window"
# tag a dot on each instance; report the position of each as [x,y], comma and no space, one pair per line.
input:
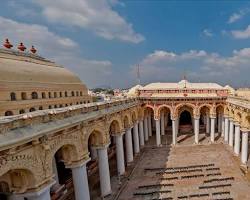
[50,107]
[34,95]
[88,101]
[60,94]
[12,96]
[8,113]
[43,95]
[49,94]
[77,103]
[77,93]
[23,95]
[65,94]
[40,108]
[55,106]
[21,111]
[61,105]
[32,109]
[66,105]
[55,95]
[72,93]
[81,93]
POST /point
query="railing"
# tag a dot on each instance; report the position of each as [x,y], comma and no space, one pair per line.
[241,101]
[43,116]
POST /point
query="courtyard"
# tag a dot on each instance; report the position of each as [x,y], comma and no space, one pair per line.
[186,171]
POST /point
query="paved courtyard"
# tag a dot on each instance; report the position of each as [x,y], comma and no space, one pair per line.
[186,172]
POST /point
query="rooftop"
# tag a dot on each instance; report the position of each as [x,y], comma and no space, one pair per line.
[181,85]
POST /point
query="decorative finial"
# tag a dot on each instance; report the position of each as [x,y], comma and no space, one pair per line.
[33,50]
[7,44]
[21,47]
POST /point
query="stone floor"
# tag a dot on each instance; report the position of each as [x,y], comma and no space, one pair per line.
[184,169]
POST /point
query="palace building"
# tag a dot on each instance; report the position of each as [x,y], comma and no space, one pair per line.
[164,141]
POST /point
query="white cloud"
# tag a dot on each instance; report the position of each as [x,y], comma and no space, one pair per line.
[60,49]
[241,34]
[199,65]
[94,15]
[237,16]
[208,33]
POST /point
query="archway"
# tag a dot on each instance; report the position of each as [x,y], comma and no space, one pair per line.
[64,183]
[185,118]
[17,180]
[92,165]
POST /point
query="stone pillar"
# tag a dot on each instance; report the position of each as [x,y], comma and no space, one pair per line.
[226,130]
[212,129]
[196,129]
[103,163]
[146,129]
[177,123]
[141,133]
[136,138]
[174,132]
[80,180]
[93,153]
[244,148]
[55,172]
[162,124]
[158,134]
[231,133]
[222,126]
[207,124]
[219,122]
[43,194]
[14,197]
[149,126]
[120,154]
[237,139]
[129,146]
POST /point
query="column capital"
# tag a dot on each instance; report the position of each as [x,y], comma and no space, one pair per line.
[236,123]
[79,163]
[226,116]
[45,188]
[244,130]
[212,116]
[119,134]
[102,146]
[197,117]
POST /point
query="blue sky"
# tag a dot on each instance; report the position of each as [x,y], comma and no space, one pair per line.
[102,41]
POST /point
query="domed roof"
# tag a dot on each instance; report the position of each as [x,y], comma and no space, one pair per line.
[133,91]
[22,67]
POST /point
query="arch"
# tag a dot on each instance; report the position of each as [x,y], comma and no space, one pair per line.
[206,107]
[66,94]
[114,127]
[126,123]
[95,137]
[133,117]
[185,117]
[34,95]
[238,116]
[72,93]
[8,113]
[164,106]
[67,152]
[185,106]
[55,94]
[220,108]
[18,180]
[13,96]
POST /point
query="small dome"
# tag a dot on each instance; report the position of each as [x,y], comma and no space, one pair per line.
[133,91]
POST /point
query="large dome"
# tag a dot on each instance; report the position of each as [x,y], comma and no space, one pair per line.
[17,67]
[29,82]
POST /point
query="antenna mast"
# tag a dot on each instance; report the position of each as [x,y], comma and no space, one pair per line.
[138,74]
